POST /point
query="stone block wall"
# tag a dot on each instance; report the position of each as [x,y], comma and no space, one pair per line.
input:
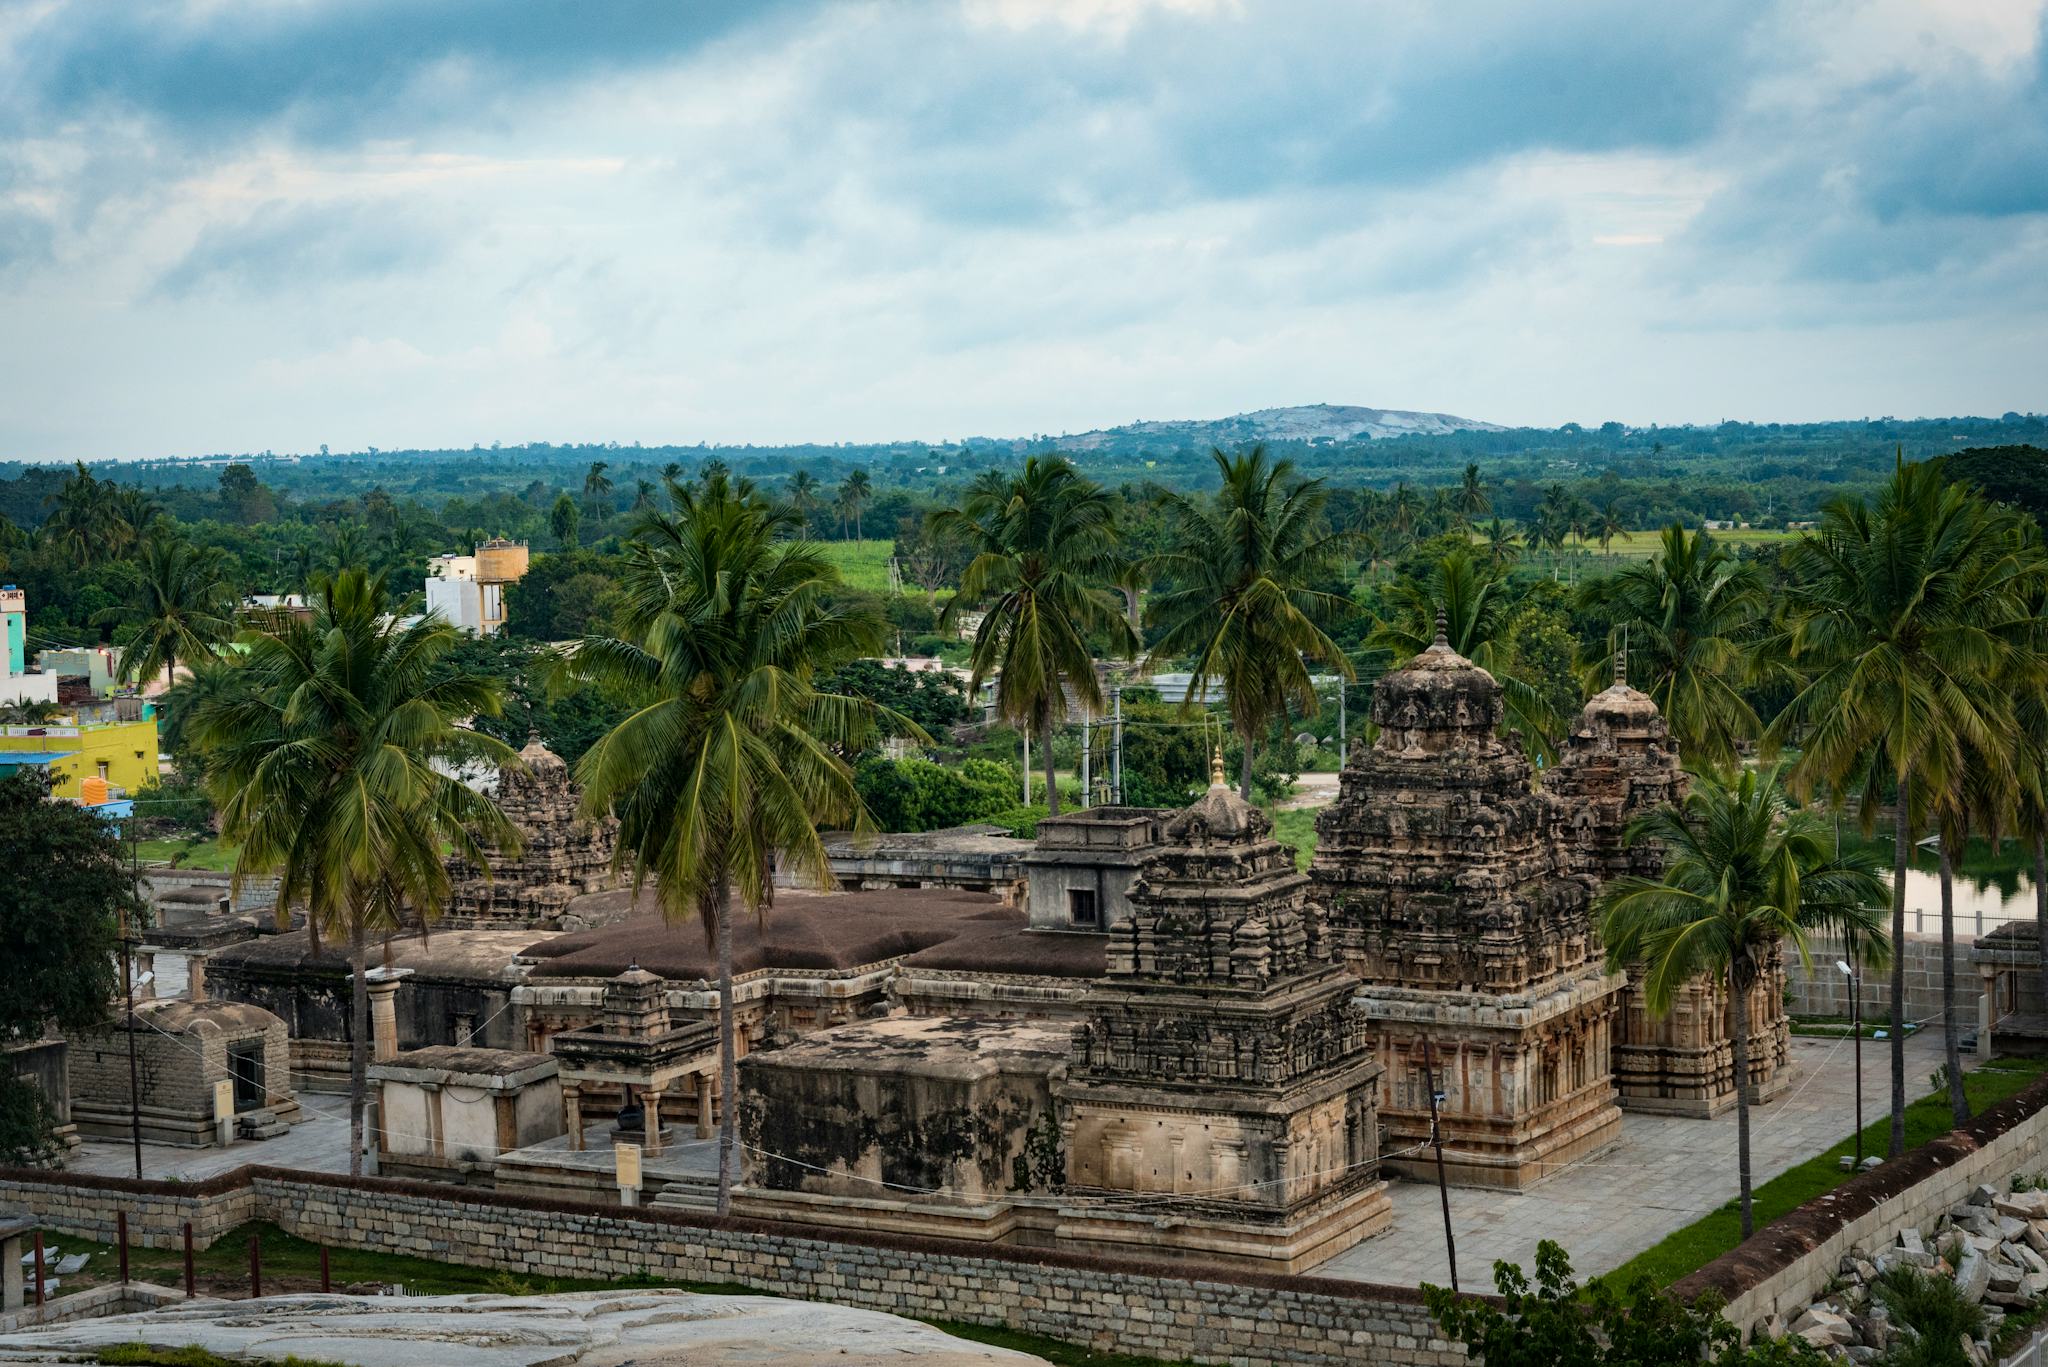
[1821,990]
[1786,1265]
[1175,1311]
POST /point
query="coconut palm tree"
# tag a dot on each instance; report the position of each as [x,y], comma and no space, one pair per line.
[854,492]
[731,757]
[1745,873]
[1693,614]
[597,492]
[1608,524]
[183,609]
[1501,543]
[803,497]
[1044,543]
[1907,612]
[1403,508]
[1473,500]
[1479,622]
[329,757]
[1241,602]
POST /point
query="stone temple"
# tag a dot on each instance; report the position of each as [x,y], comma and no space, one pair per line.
[564,856]
[1463,913]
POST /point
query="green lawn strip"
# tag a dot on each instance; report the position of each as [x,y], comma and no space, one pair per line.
[1693,1247]
[1297,827]
[861,564]
[1055,1351]
[188,854]
[153,1355]
[291,1264]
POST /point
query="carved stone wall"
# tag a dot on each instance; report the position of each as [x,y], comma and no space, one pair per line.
[563,855]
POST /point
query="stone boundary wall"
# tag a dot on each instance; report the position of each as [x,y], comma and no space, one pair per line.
[1784,1267]
[1169,1310]
[86,1305]
[1823,991]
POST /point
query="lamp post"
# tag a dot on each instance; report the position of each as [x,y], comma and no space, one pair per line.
[1856,1029]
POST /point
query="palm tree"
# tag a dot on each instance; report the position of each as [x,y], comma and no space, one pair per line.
[1402,508]
[1501,547]
[854,492]
[730,759]
[1479,622]
[1904,610]
[1608,524]
[86,521]
[1044,543]
[329,759]
[597,492]
[346,551]
[1241,602]
[1745,873]
[1693,613]
[184,609]
[1473,500]
[803,497]
[643,494]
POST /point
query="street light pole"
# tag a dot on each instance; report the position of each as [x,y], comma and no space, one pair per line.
[134,1075]
[1436,1137]
[1855,1028]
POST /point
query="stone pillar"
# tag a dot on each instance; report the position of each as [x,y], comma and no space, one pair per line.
[195,977]
[704,1105]
[572,1112]
[650,1105]
[1987,1009]
[383,984]
[12,1293]
[144,966]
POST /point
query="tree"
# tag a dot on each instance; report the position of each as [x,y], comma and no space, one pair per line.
[1608,524]
[563,520]
[597,492]
[1044,541]
[731,757]
[330,761]
[1693,616]
[1745,873]
[1558,1323]
[64,883]
[243,496]
[803,497]
[186,609]
[854,492]
[1241,602]
[1479,622]
[1905,613]
[1473,502]
[1501,547]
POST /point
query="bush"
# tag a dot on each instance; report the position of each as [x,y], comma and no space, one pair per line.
[1021,822]
[917,795]
[1935,1310]
[1558,1322]
[27,1124]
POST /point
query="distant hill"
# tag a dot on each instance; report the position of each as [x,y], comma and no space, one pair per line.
[1332,422]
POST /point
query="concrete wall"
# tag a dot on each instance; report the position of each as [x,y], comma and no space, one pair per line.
[1181,1311]
[1822,990]
[1786,1265]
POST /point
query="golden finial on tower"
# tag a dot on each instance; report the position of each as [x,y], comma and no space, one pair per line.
[1216,779]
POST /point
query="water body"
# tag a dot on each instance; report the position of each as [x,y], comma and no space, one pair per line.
[1994,884]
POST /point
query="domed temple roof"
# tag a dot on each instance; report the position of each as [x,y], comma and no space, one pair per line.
[1620,710]
[1437,701]
[1219,814]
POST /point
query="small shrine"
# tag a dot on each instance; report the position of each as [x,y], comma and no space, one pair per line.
[562,856]
[1222,1073]
[634,1054]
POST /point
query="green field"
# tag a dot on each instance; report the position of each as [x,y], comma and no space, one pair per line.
[862,564]
[188,854]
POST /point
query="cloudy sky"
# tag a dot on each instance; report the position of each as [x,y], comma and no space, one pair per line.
[231,225]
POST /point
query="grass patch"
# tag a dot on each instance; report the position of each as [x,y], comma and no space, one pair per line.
[188,854]
[861,564]
[1297,827]
[1689,1249]
[1055,1351]
[155,1355]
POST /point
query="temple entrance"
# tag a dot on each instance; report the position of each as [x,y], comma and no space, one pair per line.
[245,1066]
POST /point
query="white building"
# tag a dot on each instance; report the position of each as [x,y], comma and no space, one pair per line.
[468,591]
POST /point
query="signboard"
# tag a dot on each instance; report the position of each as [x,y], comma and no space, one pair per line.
[627,1157]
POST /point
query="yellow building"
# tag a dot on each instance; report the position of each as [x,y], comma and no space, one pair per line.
[123,754]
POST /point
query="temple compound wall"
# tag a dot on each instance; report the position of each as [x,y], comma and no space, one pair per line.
[1467,922]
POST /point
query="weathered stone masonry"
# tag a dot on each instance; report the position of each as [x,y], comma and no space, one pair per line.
[1187,1311]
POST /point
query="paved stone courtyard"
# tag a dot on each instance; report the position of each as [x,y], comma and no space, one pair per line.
[1664,1174]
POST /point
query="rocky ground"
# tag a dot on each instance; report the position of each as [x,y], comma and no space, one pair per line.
[1993,1248]
[588,1329]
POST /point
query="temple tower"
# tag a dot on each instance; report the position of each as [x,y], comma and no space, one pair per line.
[563,857]
[1467,923]
[1222,1075]
[1619,763]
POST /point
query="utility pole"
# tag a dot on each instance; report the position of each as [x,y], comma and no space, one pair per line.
[134,1075]
[1087,746]
[1856,1029]
[1436,1138]
[1116,764]
[1341,742]
[1027,765]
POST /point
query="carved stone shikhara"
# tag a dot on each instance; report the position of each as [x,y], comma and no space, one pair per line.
[1460,907]
[1222,1074]
[1619,763]
[563,855]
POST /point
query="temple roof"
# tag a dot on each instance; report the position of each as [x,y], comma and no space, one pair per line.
[1437,694]
[539,758]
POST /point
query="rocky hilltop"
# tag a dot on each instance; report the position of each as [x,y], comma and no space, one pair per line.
[1305,422]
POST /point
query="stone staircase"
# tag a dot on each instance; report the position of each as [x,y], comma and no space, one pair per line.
[687,1193]
[261,1124]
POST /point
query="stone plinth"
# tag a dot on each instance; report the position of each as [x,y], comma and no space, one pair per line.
[1454,901]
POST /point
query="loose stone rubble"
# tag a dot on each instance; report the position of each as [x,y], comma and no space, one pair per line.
[1994,1247]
